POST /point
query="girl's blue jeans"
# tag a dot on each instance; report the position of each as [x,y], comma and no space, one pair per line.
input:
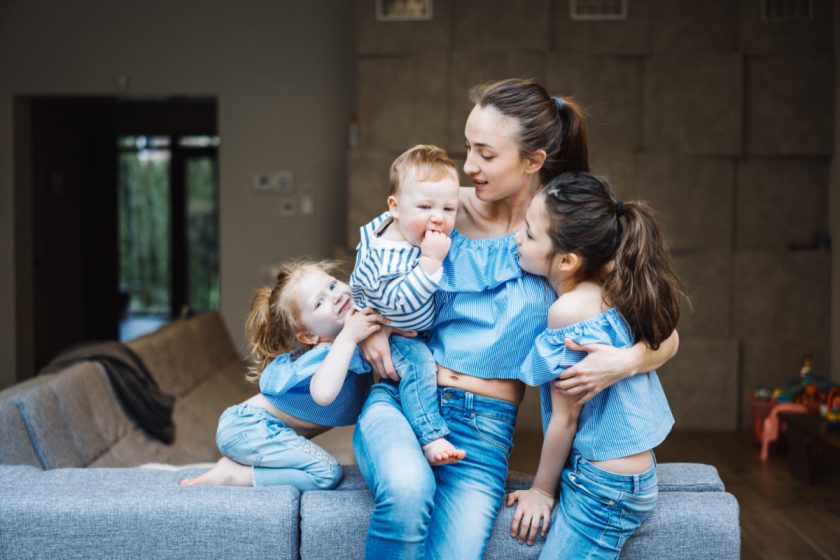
[422,511]
[598,510]
[418,387]
[250,435]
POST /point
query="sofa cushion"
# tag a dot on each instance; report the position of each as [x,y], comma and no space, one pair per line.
[140,513]
[73,417]
[216,342]
[693,525]
[185,352]
[15,446]
[688,477]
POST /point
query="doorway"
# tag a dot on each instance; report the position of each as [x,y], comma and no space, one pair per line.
[81,166]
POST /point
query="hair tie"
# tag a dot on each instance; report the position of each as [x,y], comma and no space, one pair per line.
[619,209]
[558,102]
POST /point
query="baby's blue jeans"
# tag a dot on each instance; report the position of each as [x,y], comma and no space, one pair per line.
[250,435]
[598,510]
[418,387]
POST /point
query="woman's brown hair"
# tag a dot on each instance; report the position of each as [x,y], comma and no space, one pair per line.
[274,317]
[620,245]
[555,125]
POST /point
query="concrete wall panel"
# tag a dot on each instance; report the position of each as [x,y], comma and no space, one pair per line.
[501,25]
[624,37]
[707,280]
[764,37]
[367,189]
[610,90]
[701,384]
[693,197]
[780,203]
[790,105]
[400,37]
[402,102]
[691,26]
[693,104]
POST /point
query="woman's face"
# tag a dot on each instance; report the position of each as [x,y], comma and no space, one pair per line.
[493,159]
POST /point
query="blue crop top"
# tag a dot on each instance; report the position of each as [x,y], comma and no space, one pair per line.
[628,417]
[488,311]
[285,383]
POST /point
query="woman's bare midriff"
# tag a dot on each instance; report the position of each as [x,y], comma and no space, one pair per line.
[632,464]
[509,390]
[302,427]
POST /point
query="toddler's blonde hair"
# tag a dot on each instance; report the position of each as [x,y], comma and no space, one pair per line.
[274,318]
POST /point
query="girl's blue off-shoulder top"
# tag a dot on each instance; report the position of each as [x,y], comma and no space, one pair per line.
[285,383]
[628,417]
[488,311]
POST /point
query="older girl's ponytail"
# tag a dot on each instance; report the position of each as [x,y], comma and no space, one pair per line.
[642,284]
[621,247]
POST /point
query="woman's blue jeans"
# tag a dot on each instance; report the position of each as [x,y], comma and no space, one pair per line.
[250,435]
[422,511]
[598,510]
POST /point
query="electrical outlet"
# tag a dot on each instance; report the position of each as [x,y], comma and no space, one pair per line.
[263,183]
[288,207]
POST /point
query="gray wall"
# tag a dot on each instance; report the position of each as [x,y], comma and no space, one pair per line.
[724,122]
[282,74]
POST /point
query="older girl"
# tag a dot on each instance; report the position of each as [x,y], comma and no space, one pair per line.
[607,262]
[488,314]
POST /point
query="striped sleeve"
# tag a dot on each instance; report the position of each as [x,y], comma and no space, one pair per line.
[408,293]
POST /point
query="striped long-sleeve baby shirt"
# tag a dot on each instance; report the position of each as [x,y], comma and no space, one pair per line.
[387,277]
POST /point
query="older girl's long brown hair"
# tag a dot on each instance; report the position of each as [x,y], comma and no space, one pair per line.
[622,247]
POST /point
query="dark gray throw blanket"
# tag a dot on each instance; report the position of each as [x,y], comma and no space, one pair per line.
[136,389]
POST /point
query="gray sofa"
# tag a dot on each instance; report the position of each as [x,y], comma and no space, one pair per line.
[70,486]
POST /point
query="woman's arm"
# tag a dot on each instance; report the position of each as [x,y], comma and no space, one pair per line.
[605,365]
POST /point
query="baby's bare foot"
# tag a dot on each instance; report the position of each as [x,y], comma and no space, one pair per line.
[441,452]
[224,473]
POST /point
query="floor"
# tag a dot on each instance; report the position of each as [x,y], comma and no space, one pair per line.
[781,517]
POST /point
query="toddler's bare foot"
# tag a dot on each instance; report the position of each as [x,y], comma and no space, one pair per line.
[223,473]
[441,452]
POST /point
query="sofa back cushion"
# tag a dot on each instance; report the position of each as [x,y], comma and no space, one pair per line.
[15,446]
[185,352]
[74,417]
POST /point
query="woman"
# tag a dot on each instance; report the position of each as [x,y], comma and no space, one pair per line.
[488,314]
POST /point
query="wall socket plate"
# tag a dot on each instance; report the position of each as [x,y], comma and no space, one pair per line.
[288,207]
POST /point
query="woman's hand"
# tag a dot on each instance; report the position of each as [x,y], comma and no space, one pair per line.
[532,505]
[603,366]
[376,349]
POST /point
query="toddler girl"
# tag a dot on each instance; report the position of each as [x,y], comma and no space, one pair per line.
[303,335]
[609,266]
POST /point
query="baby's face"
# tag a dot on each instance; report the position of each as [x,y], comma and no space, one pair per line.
[422,206]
